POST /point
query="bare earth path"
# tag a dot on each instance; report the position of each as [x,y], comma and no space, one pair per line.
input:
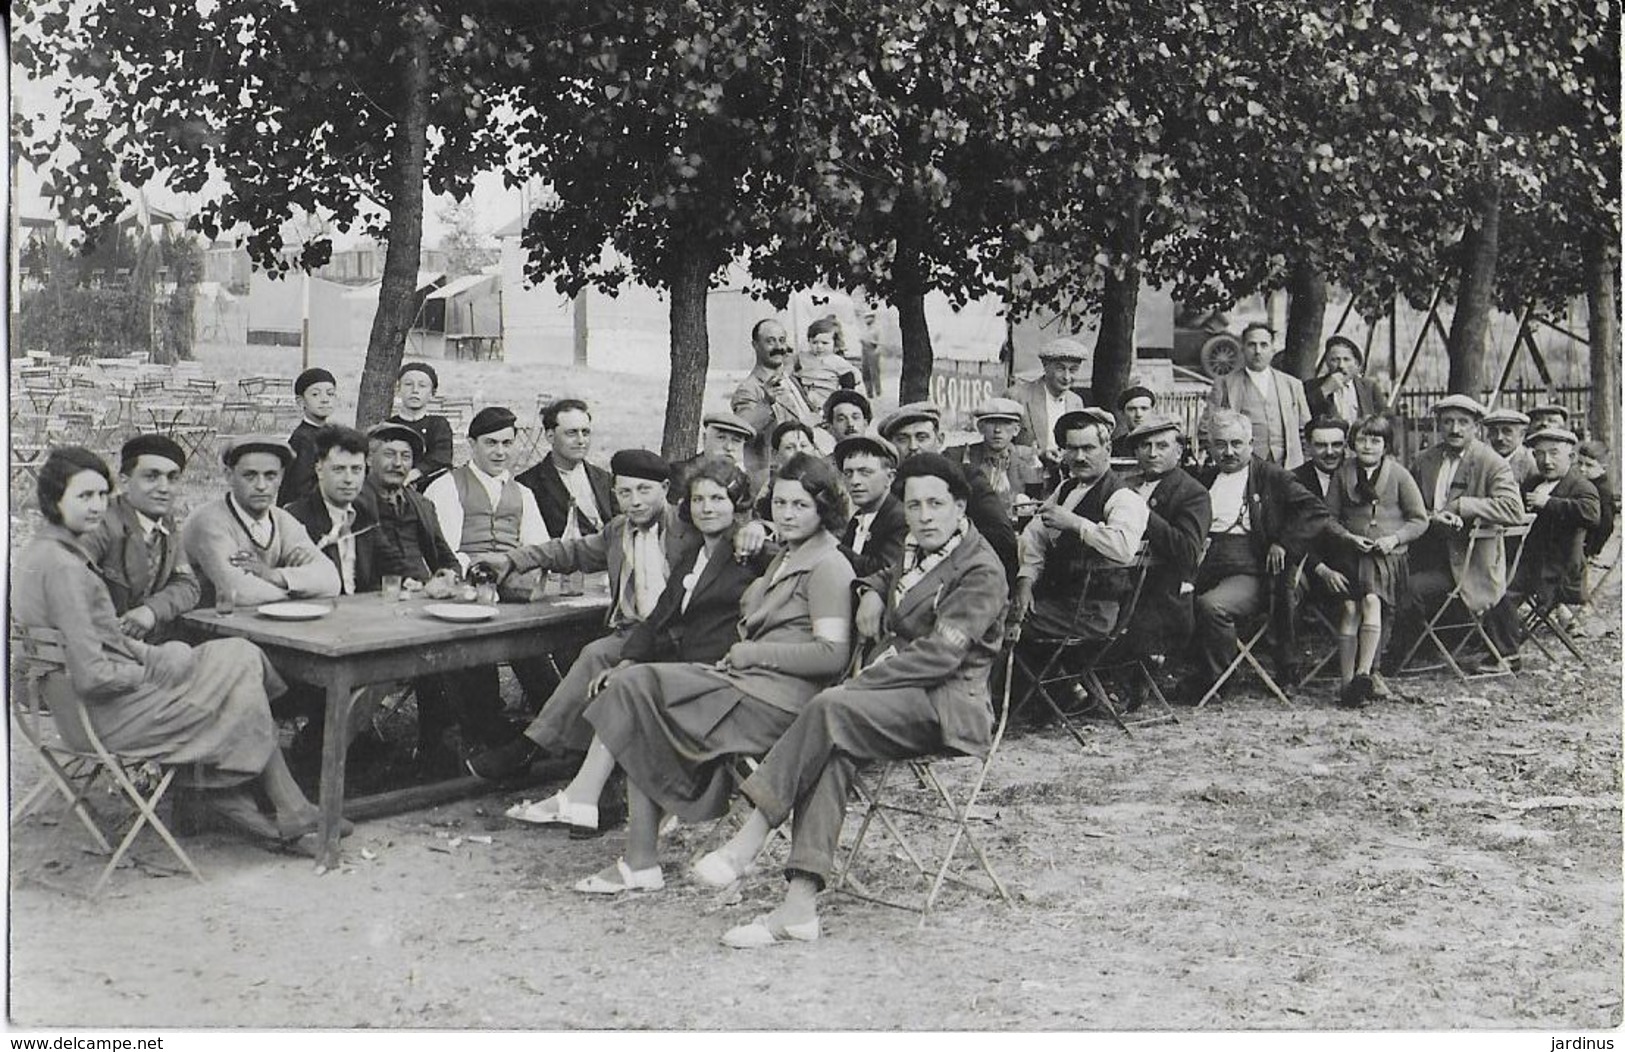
[1448,862]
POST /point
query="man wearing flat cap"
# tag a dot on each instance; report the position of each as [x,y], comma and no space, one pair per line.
[1090,524]
[1549,416]
[137,547]
[1464,484]
[1046,397]
[874,536]
[637,547]
[1552,568]
[1343,392]
[317,392]
[1271,400]
[248,544]
[1178,515]
[722,434]
[481,508]
[1504,430]
[1012,471]
[917,428]
[1134,406]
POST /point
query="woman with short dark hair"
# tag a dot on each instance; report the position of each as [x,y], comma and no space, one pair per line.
[203,709]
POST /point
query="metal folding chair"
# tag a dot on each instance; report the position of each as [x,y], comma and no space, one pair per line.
[1463,620]
[1541,615]
[1079,659]
[1247,643]
[71,772]
[883,803]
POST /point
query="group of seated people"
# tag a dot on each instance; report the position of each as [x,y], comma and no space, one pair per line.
[817,612]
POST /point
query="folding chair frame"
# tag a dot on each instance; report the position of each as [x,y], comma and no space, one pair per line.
[1245,650]
[72,772]
[1475,621]
[1097,655]
[944,811]
[1542,614]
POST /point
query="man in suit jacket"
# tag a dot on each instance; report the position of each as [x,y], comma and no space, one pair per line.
[874,537]
[1272,401]
[341,527]
[1504,431]
[1464,483]
[770,393]
[916,428]
[137,548]
[1263,520]
[407,540]
[638,547]
[1342,393]
[937,621]
[249,545]
[1012,471]
[570,490]
[1178,514]
[1045,398]
[1552,568]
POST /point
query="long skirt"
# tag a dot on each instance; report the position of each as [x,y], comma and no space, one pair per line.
[216,726]
[676,730]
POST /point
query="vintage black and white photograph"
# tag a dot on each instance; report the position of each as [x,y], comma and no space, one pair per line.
[815,515]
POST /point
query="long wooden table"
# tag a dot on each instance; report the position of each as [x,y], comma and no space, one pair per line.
[366,640]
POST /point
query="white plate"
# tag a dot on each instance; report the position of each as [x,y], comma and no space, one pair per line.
[295,611]
[460,611]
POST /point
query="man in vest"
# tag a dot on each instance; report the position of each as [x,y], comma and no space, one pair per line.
[137,547]
[638,547]
[1091,520]
[1271,400]
[481,509]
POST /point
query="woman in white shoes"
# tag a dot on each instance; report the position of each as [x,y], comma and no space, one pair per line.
[675,728]
[937,619]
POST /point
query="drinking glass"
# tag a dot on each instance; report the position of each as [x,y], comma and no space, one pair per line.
[391,587]
[225,601]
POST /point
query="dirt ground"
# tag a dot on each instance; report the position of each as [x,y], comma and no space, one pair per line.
[1451,861]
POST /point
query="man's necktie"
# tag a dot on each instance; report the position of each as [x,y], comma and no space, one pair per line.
[155,558]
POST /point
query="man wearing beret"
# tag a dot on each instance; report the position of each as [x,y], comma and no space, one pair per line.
[137,547]
[1504,430]
[481,508]
[1464,483]
[917,428]
[1271,400]
[317,393]
[1012,471]
[248,544]
[1134,405]
[1044,399]
[1552,568]
[409,541]
[638,547]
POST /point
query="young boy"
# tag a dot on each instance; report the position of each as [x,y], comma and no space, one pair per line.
[317,392]
[416,384]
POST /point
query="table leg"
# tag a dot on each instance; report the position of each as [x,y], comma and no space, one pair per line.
[335,743]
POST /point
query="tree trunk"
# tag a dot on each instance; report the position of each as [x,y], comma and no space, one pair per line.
[397,291]
[908,296]
[1305,320]
[1470,327]
[690,354]
[1602,316]
[1114,350]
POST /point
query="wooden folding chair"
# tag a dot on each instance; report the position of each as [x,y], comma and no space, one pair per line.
[882,800]
[1464,620]
[72,772]
[1079,660]
[1247,643]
